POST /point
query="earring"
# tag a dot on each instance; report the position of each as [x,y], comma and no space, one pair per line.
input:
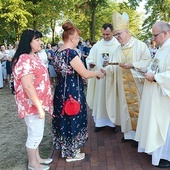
[71,40]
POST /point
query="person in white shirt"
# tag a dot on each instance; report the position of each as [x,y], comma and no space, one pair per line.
[43,56]
[1,76]
[4,55]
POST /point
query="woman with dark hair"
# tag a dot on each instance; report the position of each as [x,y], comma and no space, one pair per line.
[70,132]
[32,94]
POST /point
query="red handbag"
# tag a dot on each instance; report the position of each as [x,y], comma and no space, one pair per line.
[71,106]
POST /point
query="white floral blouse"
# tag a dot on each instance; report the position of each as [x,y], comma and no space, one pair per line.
[32,65]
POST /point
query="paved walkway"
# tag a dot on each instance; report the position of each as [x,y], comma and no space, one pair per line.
[105,151]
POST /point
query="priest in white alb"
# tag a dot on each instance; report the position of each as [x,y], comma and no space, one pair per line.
[153,127]
[99,55]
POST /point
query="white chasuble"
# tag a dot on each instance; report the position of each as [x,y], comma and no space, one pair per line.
[124,87]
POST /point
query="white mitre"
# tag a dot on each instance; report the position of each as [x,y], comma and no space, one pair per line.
[120,22]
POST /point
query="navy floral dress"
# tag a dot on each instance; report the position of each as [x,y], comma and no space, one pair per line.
[70,132]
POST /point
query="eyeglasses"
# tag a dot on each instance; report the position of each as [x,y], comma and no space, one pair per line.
[155,35]
[118,34]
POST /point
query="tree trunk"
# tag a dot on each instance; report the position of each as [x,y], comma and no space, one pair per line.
[53,30]
[93,25]
[34,24]
[53,35]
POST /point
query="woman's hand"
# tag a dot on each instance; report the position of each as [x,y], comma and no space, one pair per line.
[92,65]
[41,113]
[101,74]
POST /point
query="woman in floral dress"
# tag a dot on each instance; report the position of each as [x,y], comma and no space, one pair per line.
[70,132]
[32,94]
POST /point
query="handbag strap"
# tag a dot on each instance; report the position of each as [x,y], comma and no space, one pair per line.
[66,80]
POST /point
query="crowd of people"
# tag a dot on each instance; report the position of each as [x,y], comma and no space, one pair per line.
[127,86]
[46,55]
[6,55]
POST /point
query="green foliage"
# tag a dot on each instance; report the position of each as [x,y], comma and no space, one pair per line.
[134,3]
[102,10]
[13,19]
[87,15]
[155,10]
[92,8]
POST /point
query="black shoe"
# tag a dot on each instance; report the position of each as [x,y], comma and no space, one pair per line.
[125,140]
[163,164]
[98,129]
[134,144]
[114,129]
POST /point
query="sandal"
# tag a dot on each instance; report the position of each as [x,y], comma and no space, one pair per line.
[78,157]
[45,167]
[46,161]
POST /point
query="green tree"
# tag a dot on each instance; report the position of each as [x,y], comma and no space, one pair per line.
[44,15]
[95,13]
[13,18]
[90,8]
[87,15]
[155,10]
[103,14]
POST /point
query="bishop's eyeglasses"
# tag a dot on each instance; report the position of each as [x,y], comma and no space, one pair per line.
[118,34]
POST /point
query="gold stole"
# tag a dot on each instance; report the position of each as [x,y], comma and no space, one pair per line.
[130,88]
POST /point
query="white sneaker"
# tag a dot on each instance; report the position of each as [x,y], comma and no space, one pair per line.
[78,157]
[78,150]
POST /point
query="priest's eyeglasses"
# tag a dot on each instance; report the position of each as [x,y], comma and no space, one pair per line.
[155,35]
[118,34]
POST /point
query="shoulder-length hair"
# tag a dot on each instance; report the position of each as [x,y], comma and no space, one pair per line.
[24,46]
